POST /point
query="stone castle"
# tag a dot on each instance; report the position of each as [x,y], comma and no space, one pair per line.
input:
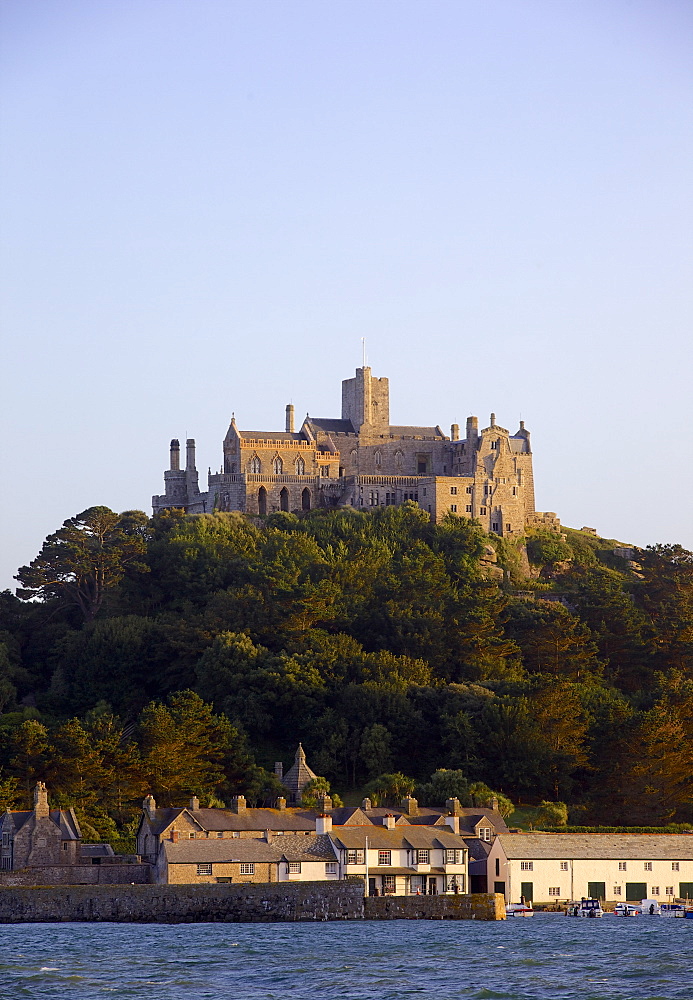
[362,460]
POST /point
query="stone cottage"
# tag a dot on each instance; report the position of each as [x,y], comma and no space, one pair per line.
[39,837]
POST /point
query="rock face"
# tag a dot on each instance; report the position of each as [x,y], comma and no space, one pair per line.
[283,902]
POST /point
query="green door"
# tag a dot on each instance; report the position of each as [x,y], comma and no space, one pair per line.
[527,890]
[635,891]
[686,890]
[499,887]
[596,890]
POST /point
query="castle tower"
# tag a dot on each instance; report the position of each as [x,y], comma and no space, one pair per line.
[366,402]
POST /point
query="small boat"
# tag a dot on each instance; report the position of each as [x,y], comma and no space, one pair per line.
[650,908]
[519,910]
[673,910]
[626,910]
[585,908]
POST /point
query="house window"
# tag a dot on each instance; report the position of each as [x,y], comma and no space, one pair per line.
[564,866]
[455,883]
[617,890]
[247,868]
[485,834]
[204,869]
[622,866]
[526,866]
[669,891]
[655,890]
[224,878]
[330,867]
[452,857]
[494,526]
[384,857]
[453,508]
[469,489]
[423,857]
[554,890]
[648,866]
[468,508]
[220,835]
[453,491]
[294,868]
[356,857]
[388,885]
[674,866]
[482,510]
[191,836]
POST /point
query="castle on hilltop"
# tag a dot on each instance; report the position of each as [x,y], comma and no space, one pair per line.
[361,460]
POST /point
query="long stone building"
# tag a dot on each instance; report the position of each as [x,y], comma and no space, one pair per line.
[362,460]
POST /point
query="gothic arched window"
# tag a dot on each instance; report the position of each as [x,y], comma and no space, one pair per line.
[255,465]
[277,465]
[378,459]
[300,467]
[399,458]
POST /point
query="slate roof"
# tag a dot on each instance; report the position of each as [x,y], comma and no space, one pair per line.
[300,848]
[381,839]
[428,432]
[219,820]
[298,776]
[598,846]
[332,426]
[241,849]
[478,849]
[63,818]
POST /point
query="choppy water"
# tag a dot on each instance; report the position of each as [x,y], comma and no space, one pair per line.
[548,957]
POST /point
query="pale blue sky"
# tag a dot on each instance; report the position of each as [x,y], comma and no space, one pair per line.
[207,204]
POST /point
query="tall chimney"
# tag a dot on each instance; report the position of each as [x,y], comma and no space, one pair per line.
[238,804]
[454,432]
[290,418]
[323,823]
[453,822]
[175,455]
[40,801]
[149,806]
[280,803]
[493,420]
[194,803]
[279,769]
[190,454]
[453,806]
[389,821]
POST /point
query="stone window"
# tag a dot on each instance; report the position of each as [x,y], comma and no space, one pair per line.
[453,508]
[469,489]
[300,467]
[669,891]
[255,465]
[330,867]
[514,491]
[378,459]
[453,491]
[495,526]
[617,890]
[487,489]
[384,857]
[508,527]
[247,868]
[423,857]
[527,866]
[554,890]
[622,866]
[324,471]
[482,510]
[399,458]
[648,866]
[674,866]
[294,867]
[468,508]
[4,835]
[203,869]
[564,866]
[494,444]
[277,466]
[191,836]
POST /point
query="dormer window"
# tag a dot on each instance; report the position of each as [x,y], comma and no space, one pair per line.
[485,833]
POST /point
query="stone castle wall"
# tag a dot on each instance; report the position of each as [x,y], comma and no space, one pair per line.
[52,875]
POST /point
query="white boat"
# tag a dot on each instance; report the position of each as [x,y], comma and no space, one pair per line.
[584,908]
[518,910]
[672,910]
[626,910]
[650,908]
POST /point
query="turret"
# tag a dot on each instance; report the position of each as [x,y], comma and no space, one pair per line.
[454,432]
[175,455]
[190,455]
[290,419]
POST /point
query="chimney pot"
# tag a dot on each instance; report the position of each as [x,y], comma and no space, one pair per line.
[389,821]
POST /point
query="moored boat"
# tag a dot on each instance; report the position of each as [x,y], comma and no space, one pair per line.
[584,908]
[626,910]
[519,910]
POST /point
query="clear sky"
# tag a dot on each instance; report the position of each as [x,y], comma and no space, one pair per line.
[206,204]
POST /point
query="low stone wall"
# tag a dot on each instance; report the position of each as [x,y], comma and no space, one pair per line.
[283,901]
[140,874]
[174,904]
[478,906]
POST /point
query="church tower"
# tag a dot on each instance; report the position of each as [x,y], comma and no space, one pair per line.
[366,402]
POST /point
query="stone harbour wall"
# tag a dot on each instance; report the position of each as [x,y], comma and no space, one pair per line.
[50,875]
[278,902]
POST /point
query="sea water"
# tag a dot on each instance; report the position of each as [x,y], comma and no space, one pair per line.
[546,957]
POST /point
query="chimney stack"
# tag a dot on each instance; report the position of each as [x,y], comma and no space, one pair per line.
[323,823]
[268,836]
[454,432]
[279,769]
[389,821]
[494,804]
[290,419]
[366,804]
[149,806]
[453,807]
[190,455]
[175,455]
[454,823]
[410,806]
[194,803]
[238,804]
[280,803]
[174,836]
[41,810]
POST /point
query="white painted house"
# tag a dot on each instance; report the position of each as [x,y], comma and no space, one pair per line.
[552,867]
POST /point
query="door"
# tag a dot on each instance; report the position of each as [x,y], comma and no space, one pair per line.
[499,887]
[433,887]
[635,891]
[371,887]
[685,890]
[527,890]
[596,890]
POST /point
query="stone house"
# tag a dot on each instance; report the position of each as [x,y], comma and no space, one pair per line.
[361,460]
[39,837]
[402,860]
[289,858]
[551,867]
[192,822]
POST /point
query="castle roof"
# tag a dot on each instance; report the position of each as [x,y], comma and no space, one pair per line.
[329,426]
[415,432]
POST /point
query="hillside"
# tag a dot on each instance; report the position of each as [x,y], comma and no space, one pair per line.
[188,653]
